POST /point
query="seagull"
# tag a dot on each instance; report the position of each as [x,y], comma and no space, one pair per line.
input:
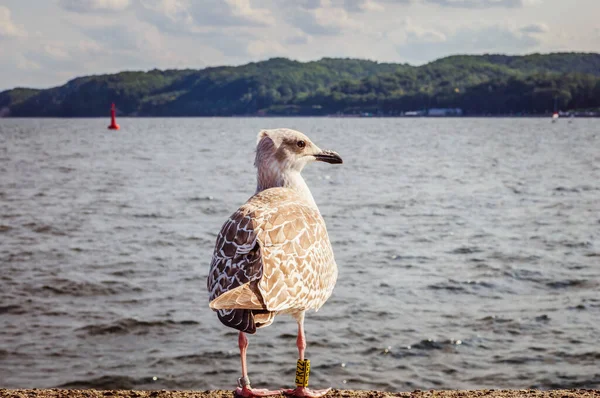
[273,255]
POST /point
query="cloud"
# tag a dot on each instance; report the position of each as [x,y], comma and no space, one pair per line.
[478,3]
[7,26]
[229,13]
[382,5]
[310,4]
[51,55]
[227,26]
[415,33]
[297,39]
[170,16]
[50,63]
[409,33]
[535,28]
[364,5]
[91,6]
[185,16]
[56,52]
[323,20]
[109,49]
[134,37]
[308,23]
[265,49]
[349,5]
[353,6]
[422,45]
[24,63]
[228,44]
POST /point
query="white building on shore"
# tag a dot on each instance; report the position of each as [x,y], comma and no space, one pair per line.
[445,112]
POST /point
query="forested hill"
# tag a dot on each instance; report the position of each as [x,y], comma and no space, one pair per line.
[484,84]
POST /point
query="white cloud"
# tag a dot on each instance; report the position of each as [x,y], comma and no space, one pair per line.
[185,16]
[229,45]
[85,6]
[348,5]
[325,20]
[133,37]
[56,51]
[242,10]
[535,28]
[230,27]
[311,4]
[51,55]
[265,49]
[363,5]
[408,32]
[478,3]
[7,26]
[421,47]
[369,5]
[170,16]
[24,63]
[300,38]
[90,47]
[107,48]
[421,34]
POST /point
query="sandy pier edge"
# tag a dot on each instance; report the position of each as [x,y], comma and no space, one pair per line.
[90,393]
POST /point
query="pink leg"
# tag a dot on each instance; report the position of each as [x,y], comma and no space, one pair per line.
[301,341]
[244,389]
[301,344]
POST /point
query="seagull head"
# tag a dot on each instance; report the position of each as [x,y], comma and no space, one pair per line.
[282,150]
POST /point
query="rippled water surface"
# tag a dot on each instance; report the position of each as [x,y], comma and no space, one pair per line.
[468,250]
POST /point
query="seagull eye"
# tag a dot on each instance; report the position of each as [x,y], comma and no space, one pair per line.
[301,144]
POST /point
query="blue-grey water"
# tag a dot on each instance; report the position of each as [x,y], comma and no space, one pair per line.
[468,250]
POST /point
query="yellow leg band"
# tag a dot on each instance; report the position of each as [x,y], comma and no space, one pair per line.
[302,372]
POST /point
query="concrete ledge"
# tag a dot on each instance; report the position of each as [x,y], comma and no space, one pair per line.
[62,393]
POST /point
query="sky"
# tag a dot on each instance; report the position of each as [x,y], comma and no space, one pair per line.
[45,43]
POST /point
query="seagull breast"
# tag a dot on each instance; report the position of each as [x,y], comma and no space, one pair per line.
[272,256]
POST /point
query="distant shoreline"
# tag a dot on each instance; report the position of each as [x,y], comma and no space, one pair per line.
[486,84]
[311,116]
[64,393]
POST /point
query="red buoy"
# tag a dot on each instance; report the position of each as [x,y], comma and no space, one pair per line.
[113,121]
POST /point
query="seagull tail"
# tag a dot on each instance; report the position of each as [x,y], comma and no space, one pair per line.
[245,297]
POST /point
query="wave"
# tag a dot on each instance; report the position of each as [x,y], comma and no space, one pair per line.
[468,287]
[466,250]
[12,309]
[571,283]
[131,326]
[85,288]
[151,215]
[44,229]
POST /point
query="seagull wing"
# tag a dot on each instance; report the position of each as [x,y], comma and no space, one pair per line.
[235,268]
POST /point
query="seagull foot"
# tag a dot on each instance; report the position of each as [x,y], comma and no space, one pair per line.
[306,392]
[248,392]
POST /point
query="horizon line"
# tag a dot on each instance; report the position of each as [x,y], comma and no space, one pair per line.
[304,62]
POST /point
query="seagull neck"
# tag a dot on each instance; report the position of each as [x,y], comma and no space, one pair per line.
[290,179]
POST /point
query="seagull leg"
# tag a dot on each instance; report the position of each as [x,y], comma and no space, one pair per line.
[244,389]
[301,391]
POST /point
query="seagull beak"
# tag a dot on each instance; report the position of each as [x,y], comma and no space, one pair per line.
[329,157]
